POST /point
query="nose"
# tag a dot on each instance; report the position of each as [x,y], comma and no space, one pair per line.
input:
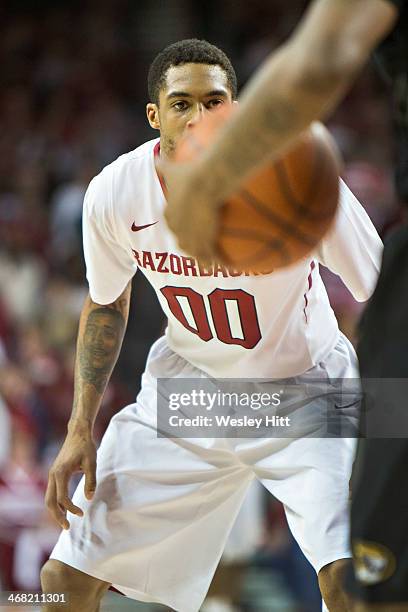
[197,116]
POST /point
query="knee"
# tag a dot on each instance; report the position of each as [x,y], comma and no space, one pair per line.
[57,577]
[331,578]
[333,573]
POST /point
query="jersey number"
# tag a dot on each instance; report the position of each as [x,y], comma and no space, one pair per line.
[188,307]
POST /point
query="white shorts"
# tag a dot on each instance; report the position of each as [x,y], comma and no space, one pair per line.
[163,508]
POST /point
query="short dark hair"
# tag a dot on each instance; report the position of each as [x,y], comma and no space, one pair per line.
[188,51]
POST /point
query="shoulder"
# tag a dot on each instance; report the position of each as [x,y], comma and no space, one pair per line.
[133,163]
[121,179]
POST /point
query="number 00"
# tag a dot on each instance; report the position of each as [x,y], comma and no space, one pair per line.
[245,302]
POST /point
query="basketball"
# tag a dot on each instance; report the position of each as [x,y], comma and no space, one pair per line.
[284,209]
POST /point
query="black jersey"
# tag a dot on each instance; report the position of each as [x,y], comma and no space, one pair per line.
[392,57]
[379,529]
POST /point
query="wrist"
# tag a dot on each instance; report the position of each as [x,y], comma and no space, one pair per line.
[80,424]
[218,182]
[205,183]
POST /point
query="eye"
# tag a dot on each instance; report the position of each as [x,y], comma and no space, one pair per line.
[180,106]
[214,103]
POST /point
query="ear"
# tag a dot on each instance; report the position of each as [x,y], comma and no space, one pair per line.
[152,112]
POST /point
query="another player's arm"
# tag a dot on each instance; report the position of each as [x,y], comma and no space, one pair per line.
[301,82]
[100,336]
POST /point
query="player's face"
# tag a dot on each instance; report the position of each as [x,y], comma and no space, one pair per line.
[190,91]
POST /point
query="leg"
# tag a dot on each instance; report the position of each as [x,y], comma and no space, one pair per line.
[310,476]
[148,506]
[315,498]
[331,586]
[227,582]
[154,498]
[85,592]
[316,504]
[379,528]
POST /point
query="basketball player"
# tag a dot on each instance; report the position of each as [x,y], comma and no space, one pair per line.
[299,83]
[152,514]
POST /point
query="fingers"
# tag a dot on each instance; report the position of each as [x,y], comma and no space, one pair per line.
[196,240]
[54,509]
[196,228]
[90,477]
[61,481]
[204,250]
[57,500]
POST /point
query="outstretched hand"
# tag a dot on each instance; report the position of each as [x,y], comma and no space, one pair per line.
[192,213]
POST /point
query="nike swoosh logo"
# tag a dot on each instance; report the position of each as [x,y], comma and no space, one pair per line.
[353,404]
[137,228]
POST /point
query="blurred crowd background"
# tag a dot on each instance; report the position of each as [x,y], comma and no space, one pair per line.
[72,99]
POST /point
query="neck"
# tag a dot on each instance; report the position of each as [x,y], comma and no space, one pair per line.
[159,156]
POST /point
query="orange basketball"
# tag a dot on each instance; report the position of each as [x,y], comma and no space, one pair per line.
[283,210]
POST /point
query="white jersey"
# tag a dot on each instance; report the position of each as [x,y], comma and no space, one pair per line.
[226,322]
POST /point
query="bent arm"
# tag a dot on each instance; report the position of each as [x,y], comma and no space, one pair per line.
[299,83]
[100,336]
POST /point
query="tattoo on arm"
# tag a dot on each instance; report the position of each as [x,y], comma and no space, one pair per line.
[99,343]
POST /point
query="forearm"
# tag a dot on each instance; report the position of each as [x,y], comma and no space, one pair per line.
[274,109]
[100,336]
[301,82]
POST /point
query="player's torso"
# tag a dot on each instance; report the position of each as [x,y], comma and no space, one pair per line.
[227,322]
